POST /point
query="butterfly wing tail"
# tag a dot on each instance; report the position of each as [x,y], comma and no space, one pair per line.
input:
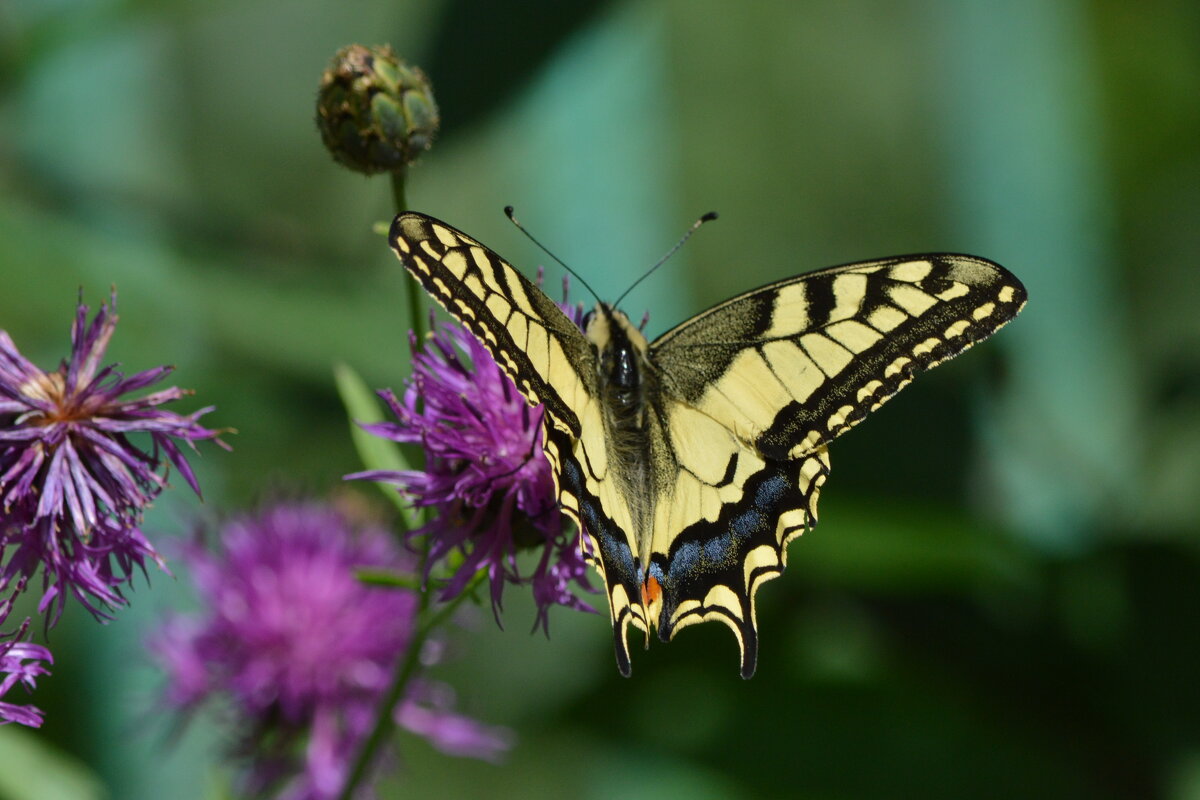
[715,568]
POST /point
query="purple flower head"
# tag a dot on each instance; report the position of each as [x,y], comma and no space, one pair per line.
[20,662]
[485,472]
[73,484]
[301,649]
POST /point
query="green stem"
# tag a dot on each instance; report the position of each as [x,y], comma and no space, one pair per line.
[399,199]
[416,309]
[428,620]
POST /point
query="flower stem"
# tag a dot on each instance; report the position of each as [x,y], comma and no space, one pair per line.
[416,309]
[428,620]
[399,198]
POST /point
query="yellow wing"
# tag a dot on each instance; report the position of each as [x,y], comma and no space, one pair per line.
[754,389]
[792,365]
[745,400]
[552,363]
[530,337]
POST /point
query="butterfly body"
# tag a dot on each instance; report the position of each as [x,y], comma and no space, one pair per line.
[625,381]
[691,461]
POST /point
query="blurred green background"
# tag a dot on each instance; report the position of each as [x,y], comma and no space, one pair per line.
[1001,598]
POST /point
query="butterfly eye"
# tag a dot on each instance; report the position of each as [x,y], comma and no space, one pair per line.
[587,319]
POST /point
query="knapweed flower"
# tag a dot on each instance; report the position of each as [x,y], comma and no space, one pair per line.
[485,473]
[303,651]
[20,663]
[74,478]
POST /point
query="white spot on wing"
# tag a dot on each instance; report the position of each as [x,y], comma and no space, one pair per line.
[926,346]
[897,365]
[870,388]
[838,419]
[762,556]
[723,596]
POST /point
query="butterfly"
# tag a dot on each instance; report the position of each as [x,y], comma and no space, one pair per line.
[691,461]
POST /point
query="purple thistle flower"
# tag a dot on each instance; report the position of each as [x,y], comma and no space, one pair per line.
[485,472]
[72,484]
[304,650]
[19,663]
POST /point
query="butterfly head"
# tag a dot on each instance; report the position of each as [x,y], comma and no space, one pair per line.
[620,345]
[605,326]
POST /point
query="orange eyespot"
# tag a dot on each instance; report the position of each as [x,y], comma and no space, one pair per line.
[651,591]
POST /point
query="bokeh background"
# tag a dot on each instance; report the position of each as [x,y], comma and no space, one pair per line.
[1002,596]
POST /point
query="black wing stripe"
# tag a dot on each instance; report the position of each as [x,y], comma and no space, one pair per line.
[868,328]
[617,562]
[450,266]
[914,346]
[709,555]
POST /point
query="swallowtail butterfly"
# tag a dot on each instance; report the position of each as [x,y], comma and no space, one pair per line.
[691,461]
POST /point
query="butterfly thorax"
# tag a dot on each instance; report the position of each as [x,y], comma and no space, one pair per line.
[627,382]
[621,366]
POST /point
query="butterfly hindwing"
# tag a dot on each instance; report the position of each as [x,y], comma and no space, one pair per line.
[607,546]
[712,567]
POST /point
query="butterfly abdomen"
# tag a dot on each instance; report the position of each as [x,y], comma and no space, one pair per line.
[626,384]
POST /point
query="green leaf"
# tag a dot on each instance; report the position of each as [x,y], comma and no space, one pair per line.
[30,769]
[376,452]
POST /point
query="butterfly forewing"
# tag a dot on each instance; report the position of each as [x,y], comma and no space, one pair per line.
[530,337]
[792,365]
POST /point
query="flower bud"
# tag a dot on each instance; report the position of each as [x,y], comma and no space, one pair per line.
[375,113]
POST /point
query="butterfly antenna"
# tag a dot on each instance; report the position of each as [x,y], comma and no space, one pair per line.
[508,212]
[709,217]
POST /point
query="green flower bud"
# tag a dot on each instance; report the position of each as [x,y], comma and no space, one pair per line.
[375,113]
